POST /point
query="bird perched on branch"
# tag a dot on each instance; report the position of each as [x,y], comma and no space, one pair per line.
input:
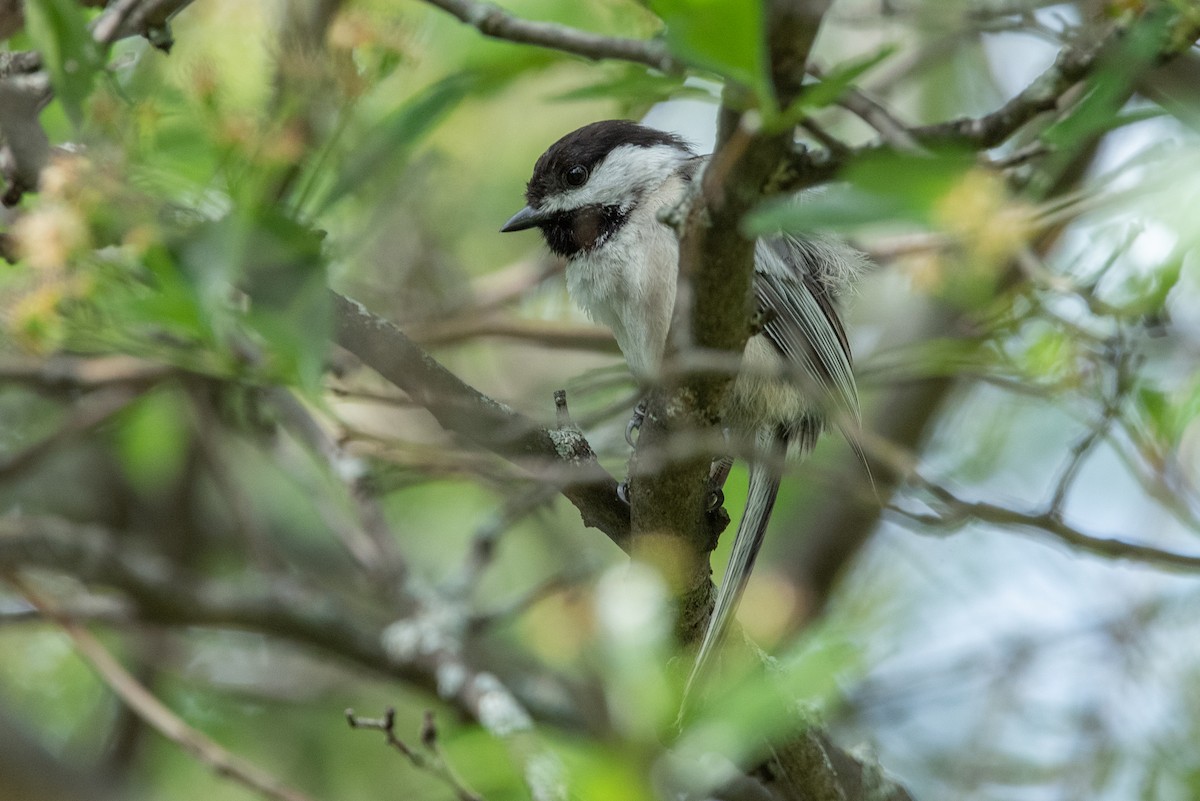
[597,194]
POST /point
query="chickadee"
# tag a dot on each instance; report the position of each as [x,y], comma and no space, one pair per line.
[596,194]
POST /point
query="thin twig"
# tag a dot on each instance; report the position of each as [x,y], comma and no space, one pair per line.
[483,544]
[69,373]
[84,609]
[1079,452]
[960,510]
[370,540]
[272,604]
[471,326]
[543,590]
[1044,94]
[151,710]
[873,113]
[93,410]
[432,760]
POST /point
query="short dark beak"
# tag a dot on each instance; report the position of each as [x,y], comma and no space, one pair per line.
[527,217]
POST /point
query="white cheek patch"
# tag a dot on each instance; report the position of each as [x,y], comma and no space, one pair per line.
[626,172]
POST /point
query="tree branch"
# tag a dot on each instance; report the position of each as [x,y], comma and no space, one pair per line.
[493,21]
[147,18]
[270,604]
[1045,93]
[25,142]
[713,308]
[464,410]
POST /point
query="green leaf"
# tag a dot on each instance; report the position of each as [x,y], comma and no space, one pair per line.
[152,440]
[59,30]
[724,36]
[390,143]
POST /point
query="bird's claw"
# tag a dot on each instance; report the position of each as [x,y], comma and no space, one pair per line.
[623,492]
[716,499]
[635,422]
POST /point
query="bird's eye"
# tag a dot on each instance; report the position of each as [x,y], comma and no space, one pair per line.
[576,176]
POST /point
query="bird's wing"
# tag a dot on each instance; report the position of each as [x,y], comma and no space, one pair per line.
[801,322]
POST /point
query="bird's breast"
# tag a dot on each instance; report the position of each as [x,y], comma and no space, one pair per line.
[628,284]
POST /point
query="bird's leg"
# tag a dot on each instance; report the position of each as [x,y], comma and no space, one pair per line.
[635,422]
[717,476]
[761,318]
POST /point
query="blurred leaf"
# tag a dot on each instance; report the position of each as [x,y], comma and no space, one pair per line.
[1109,87]
[59,30]
[45,680]
[485,762]
[961,80]
[1052,354]
[298,331]
[881,187]
[837,80]
[1168,414]
[152,440]
[743,715]
[920,180]
[1187,409]
[170,306]
[278,263]
[633,86]
[839,208]
[599,772]
[830,88]
[390,143]
[1146,293]
[1155,410]
[632,611]
[724,36]
[932,358]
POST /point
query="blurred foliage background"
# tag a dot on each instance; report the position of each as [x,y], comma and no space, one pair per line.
[259,529]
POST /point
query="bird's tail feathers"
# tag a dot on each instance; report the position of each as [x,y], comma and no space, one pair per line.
[760,500]
[852,436]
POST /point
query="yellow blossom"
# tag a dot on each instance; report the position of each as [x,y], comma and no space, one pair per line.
[989,225]
[33,320]
[49,236]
